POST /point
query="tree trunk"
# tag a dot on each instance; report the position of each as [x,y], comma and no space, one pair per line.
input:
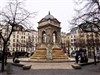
[3,58]
[6,48]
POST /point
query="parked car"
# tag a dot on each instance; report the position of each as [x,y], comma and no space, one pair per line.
[73,53]
[98,55]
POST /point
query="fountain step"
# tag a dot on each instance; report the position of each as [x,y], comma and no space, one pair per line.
[42,54]
[38,57]
[56,54]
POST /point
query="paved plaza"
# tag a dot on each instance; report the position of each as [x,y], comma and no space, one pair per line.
[63,68]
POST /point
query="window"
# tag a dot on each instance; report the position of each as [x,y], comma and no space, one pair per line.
[17,45]
[71,36]
[22,37]
[72,44]
[13,36]
[13,49]
[13,44]
[17,36]
[17,40]
[71,48]
[24,41]
[13,40]
[74,39]
[71,40]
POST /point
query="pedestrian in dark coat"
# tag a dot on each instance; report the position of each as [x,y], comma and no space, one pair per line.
[77,57]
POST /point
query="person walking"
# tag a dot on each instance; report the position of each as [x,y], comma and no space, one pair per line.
[77,57]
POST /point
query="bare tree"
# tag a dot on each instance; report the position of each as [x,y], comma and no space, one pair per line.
[13,14]
[80,43]
[88,16]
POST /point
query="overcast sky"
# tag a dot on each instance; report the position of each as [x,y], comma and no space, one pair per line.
[63,10]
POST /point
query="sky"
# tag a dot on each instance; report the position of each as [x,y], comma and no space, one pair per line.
[62,10]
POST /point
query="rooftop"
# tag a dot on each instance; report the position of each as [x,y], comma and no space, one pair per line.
[49,16]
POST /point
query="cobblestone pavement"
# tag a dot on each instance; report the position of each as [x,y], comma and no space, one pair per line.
[55,69]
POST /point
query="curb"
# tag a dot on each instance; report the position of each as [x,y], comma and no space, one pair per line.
[89,63]
[48,61]
[76,66]
[16,64]
[24,67]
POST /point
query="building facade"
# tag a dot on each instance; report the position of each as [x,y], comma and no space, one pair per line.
[73,39]
[63,41]
[68,43]
[77,38]
[21,39]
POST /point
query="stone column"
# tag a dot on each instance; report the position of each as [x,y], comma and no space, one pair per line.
[49,52]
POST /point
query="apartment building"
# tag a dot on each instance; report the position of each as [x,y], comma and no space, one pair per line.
[90,40]
[20,40]
[31,40]
[68,43]
[63,41]
[77,38]
[73,39]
